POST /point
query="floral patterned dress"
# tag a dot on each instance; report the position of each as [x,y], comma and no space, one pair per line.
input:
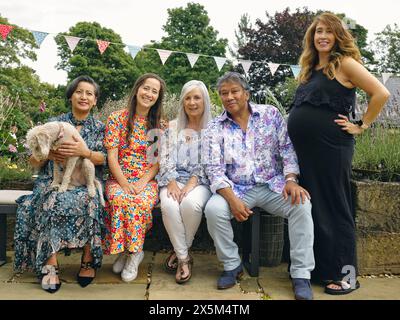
[48,221]
[129,215]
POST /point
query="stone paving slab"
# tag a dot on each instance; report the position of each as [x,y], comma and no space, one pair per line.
[69,267]
[30,291]
[202,285]
[277,286]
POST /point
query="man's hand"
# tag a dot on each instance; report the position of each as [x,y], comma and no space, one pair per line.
[239,210]
[297,193]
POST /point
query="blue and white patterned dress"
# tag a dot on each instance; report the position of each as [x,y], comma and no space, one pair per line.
[48,221]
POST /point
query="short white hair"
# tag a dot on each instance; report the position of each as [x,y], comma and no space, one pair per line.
[182,118]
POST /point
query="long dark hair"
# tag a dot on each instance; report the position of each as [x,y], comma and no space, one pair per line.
[155,113]
[344,46]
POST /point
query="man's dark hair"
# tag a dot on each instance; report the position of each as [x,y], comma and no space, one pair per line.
[233,77]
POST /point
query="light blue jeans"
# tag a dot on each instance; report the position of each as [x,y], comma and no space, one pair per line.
[301,228]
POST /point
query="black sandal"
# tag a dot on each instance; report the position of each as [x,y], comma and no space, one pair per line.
[345,287]
[85,281]
[49,278]
[171,268]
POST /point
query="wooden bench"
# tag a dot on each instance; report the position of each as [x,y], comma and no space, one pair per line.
[7,206]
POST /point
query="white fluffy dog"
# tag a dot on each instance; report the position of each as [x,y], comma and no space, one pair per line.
[78,171]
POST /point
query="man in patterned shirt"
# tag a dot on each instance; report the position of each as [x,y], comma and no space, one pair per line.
[250,162]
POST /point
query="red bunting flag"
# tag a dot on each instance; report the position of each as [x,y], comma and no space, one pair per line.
[102,45]
[5,30]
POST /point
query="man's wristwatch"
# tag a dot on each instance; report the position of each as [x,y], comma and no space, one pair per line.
[292,179]
[361,124]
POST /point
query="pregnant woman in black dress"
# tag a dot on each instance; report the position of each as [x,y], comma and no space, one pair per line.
[323,138]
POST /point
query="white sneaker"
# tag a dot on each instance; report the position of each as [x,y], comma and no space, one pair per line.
[119,263]
[131,266]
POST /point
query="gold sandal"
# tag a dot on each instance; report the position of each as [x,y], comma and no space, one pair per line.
[171,268]
[189,262]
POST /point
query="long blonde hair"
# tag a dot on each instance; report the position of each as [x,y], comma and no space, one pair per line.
[344,47]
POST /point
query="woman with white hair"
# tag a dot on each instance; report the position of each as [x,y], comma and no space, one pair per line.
[184,187]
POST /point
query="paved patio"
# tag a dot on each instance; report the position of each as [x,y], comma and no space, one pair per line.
[153,283]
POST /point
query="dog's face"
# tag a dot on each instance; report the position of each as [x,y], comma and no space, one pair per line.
[39,143]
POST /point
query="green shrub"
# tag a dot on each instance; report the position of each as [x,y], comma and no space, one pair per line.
[377,154]
[15,170]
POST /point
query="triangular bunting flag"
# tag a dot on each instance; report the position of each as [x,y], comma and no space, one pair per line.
[72,42]
[134,50]
[220,61]
[164,55]
[192,57]
[39,36]
[295,69]
[5,30]
[385,77]
[246,64]
[273,67]
[102,45]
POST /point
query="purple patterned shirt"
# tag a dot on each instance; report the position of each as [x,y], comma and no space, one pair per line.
[241,160]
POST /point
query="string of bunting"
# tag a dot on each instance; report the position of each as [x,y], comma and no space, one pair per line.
[102,45]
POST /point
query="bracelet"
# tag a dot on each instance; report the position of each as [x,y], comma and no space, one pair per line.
[90,155]
[292,179]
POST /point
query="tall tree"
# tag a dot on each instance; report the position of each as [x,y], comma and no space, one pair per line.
[240,36]
[386,45]
[279,40]
[188,30]
[37,100]
[113,70]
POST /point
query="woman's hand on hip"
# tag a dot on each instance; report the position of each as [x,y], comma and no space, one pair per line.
[348,126]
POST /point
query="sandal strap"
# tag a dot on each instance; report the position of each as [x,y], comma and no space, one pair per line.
[187,261]
[87,265]
[49,269]
[172,261]
[343,284]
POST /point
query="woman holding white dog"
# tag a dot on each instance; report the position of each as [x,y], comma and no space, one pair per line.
[184,185]
[131,190]
[49,221]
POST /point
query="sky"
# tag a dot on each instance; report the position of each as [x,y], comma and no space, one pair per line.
[138,22]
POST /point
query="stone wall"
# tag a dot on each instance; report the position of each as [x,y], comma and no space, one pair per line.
[377,206]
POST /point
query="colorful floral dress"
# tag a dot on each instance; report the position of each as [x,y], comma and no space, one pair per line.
[48,221]
[129,215]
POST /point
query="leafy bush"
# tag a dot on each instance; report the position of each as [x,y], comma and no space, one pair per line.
[285,91]
[377,154]
[18,170]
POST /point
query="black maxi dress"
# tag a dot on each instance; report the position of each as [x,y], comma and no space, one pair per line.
[325,154]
